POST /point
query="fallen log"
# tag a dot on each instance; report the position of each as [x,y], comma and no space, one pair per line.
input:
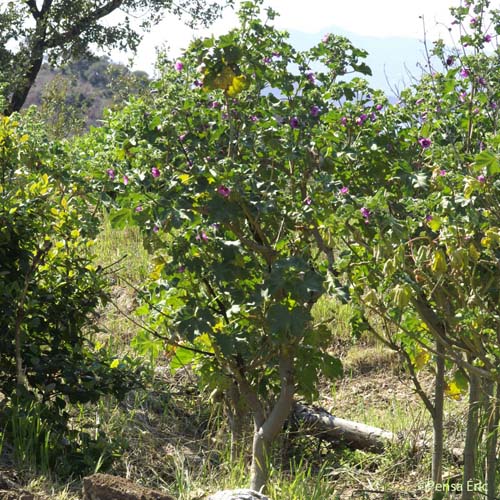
[318,422]
[322,424]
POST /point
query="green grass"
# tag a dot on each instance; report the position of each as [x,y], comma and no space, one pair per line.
[167,437]
[122,254]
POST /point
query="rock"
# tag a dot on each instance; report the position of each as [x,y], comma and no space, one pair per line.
[106,487]
[237,495]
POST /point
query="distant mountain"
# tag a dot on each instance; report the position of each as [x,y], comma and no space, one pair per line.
[393,61]
[85,87]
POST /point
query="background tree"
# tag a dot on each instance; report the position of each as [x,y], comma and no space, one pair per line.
[63,29]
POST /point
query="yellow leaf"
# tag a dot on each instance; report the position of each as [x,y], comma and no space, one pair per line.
[421,359]
[75,233]
[184,178]
[220,80]
[452,390]
[115,363]
[24,138]
[435,223]
[238,84]
[219,326]
[473,252]
[156,274]
[438,264]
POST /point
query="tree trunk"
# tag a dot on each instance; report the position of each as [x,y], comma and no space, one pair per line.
[493,416]
[470,447]
[437,417]
[267,428]
[34,55]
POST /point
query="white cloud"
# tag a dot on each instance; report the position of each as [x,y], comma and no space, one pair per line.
[382,18]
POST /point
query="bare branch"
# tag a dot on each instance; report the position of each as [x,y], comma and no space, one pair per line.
[82,24]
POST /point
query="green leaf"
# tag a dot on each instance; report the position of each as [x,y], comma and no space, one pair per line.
[146,345]
[487,160]
[121,218]
[331,366]
[182,358]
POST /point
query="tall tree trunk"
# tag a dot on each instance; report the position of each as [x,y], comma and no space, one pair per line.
[22,89]
[470,448]
[437,417]
[34,53]
[266,428]
[493,416]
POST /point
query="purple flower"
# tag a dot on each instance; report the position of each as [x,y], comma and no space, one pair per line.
[343,121]
[139,208]
[202,236]
[344,190]
[254,118]
[308,201]
[155,172]
[361,119]
[379,107]
[481,178]
[224,191]
[214,104]
[428,218]
[326,38]
[178,65]
[450,60]
[365,213]
[481,81]
[487,38]
[419,101]
[464,72]
[111,173]
[424,142]
[266,60]
[155,228]
[314,111]
[125,180]
[473,22]
[276,54]
[442,172]
[198,83]
[310,76]
[373,117]
[475,111]
[294,122]
[181,269]
[493,105]
[182,137]
[462,96]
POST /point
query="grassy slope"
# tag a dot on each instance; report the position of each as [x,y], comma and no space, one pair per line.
[171,439]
